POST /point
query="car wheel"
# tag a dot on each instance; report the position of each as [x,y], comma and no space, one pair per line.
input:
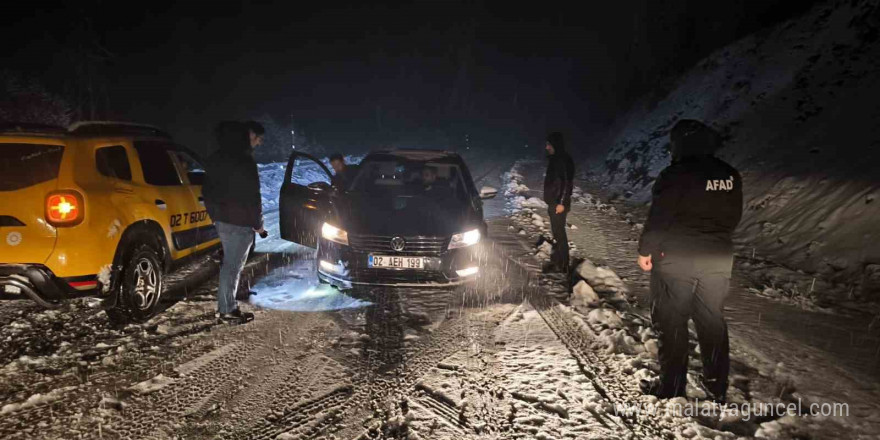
[140,289]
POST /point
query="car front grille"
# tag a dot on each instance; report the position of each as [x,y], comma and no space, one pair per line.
[418,245]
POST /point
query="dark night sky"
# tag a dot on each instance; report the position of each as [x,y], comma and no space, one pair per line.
[354,76]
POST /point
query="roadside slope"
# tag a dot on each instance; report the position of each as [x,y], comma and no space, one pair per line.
[797,107]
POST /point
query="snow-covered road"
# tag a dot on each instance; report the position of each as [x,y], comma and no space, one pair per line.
[514,357]
[821,355]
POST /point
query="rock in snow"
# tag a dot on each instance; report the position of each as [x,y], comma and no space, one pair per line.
[601,279]
[607,317]
[584,295]
[534,203]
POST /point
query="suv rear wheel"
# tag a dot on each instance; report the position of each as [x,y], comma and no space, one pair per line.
[140,289]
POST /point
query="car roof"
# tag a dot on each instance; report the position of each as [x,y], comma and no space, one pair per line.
[416,154]
[82,129]
[115,128]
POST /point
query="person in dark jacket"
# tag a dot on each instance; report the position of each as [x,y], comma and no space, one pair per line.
[687,246]
[340,177]
[558,183]
[232,198]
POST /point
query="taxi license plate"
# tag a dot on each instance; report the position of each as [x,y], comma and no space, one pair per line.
[396,262]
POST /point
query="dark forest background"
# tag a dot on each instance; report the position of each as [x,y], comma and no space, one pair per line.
[350,76]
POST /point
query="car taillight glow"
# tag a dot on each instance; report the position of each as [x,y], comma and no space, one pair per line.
[64,208]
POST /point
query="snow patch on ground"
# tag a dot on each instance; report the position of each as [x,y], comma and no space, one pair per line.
[36,399]
[151,385]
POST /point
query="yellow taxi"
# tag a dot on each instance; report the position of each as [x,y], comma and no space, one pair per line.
[101,209]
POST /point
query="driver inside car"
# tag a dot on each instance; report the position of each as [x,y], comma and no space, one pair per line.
[432,186]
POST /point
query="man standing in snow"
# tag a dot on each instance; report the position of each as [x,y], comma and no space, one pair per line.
[232,198]
[558,183]
[687,246]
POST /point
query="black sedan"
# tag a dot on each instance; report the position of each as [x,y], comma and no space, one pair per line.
[403,218]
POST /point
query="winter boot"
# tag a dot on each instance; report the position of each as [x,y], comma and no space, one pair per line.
[235,317]
[714,389]
[654,387]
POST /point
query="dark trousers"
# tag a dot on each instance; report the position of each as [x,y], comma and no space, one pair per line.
[559,258]
[692,285]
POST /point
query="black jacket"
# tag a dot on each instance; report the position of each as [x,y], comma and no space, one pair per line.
[232,183]
[696,205]
[559,180]
[343,179]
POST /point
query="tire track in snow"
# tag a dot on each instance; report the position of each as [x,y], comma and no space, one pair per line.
[568,332]
[189,395]
[303,420]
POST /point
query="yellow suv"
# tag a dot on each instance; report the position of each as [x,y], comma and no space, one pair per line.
[100,209]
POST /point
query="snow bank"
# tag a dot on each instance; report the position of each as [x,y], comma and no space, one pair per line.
[796,105]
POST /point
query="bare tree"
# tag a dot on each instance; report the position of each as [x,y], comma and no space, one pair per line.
[88,88]
[29,102]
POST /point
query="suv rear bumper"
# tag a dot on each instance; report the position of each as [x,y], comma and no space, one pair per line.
[37,282]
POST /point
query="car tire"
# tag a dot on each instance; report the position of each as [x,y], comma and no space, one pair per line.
[140,288]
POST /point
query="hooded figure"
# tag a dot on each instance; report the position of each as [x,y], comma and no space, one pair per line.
[558,183]
[232,183]
[232,198]
[690,138]
[559,179]
[687,246]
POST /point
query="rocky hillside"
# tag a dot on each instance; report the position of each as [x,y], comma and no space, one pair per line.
[799,108]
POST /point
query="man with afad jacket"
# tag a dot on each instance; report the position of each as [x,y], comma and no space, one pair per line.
[687,247]
[558,183]
[232,198]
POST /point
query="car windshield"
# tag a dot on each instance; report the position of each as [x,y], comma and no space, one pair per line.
[393,177]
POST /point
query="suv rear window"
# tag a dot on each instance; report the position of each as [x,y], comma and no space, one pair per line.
[24,165]
[158,168]
[113,162]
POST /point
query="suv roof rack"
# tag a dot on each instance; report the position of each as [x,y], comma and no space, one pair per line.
[31,128]
[111,128]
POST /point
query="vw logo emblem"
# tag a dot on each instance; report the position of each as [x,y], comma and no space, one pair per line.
[398,244]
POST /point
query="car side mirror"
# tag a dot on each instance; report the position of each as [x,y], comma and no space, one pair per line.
[196,177]
[320,186]
[487,192]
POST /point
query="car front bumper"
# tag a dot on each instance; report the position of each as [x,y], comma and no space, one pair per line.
[38,283]
[345,268]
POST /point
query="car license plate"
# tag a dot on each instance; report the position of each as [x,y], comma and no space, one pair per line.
[12,289]
[396,262]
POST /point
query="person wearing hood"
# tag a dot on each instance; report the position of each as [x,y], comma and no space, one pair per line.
[687,246]
[232,198]
[558,183]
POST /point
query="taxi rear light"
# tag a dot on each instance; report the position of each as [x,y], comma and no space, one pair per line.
[83,285]
[64,208]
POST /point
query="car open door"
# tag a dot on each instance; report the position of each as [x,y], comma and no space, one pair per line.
[305,199]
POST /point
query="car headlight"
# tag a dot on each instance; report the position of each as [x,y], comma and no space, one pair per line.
[465,239]
[334,234]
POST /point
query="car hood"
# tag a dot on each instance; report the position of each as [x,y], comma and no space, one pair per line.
[403,215]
